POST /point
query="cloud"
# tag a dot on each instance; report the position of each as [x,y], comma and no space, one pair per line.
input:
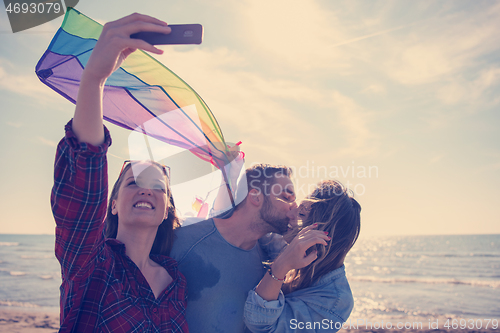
[441,47]
[14,124]
[285,116]
[24,84]
[297,34]
[270,93]
[288,112]
[492,167]
[420,64]
[375,89]
[46,142]
[461,90]
[436,159]
[354,121]
[221,78]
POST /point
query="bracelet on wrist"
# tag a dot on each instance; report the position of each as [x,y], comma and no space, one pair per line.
[270,271]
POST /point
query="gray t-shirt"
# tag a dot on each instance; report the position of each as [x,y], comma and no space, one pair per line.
[219,276]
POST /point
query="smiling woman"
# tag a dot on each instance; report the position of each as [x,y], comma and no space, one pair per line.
[123,282]
[153,179]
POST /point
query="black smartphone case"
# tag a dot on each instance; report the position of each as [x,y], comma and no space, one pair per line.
[181,34]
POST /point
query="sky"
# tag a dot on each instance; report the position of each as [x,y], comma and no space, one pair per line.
[398,100]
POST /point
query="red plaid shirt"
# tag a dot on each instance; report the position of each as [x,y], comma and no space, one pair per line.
[102,289]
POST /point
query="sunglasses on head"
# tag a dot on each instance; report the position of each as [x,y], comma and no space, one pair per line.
[165,168]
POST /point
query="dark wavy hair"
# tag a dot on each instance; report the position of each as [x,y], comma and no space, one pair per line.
[337,212]
[164,236]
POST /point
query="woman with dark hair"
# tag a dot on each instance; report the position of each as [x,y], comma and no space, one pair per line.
[306,289]
[164,235]
[116,275]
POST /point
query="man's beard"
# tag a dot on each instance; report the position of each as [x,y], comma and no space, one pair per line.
[269,215]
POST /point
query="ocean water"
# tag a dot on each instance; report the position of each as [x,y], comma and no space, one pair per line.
[30,274]
[427,278]
[392,278]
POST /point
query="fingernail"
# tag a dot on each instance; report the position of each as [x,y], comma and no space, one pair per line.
[329,238]
[315,225]
[326,232]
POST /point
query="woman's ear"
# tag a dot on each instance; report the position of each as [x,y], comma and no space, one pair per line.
[114,211]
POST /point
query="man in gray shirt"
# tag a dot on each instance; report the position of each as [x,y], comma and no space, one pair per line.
[221,258]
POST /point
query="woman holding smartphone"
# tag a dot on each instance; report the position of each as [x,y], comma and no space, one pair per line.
[116,275]
[306,289]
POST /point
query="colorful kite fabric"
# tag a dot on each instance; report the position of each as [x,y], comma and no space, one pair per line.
[142,95]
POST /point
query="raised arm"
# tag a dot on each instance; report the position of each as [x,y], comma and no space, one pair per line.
[293,257]
[265,308]
[79,195]
[113,46]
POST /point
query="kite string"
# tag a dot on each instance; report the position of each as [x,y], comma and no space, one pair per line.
[150,153]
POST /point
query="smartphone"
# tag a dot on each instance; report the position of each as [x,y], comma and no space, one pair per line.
[181,34]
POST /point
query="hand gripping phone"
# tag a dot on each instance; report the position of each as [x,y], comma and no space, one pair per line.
[181,34]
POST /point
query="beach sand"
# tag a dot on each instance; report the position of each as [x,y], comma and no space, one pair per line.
[18,320]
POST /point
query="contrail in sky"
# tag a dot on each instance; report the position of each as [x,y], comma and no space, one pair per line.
[373,35]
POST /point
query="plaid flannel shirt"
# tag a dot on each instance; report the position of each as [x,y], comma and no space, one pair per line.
[102,289]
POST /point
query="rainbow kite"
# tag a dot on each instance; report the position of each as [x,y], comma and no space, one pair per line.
[142,95]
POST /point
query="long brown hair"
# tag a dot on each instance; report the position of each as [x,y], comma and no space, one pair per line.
[337,212]
[164,236]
